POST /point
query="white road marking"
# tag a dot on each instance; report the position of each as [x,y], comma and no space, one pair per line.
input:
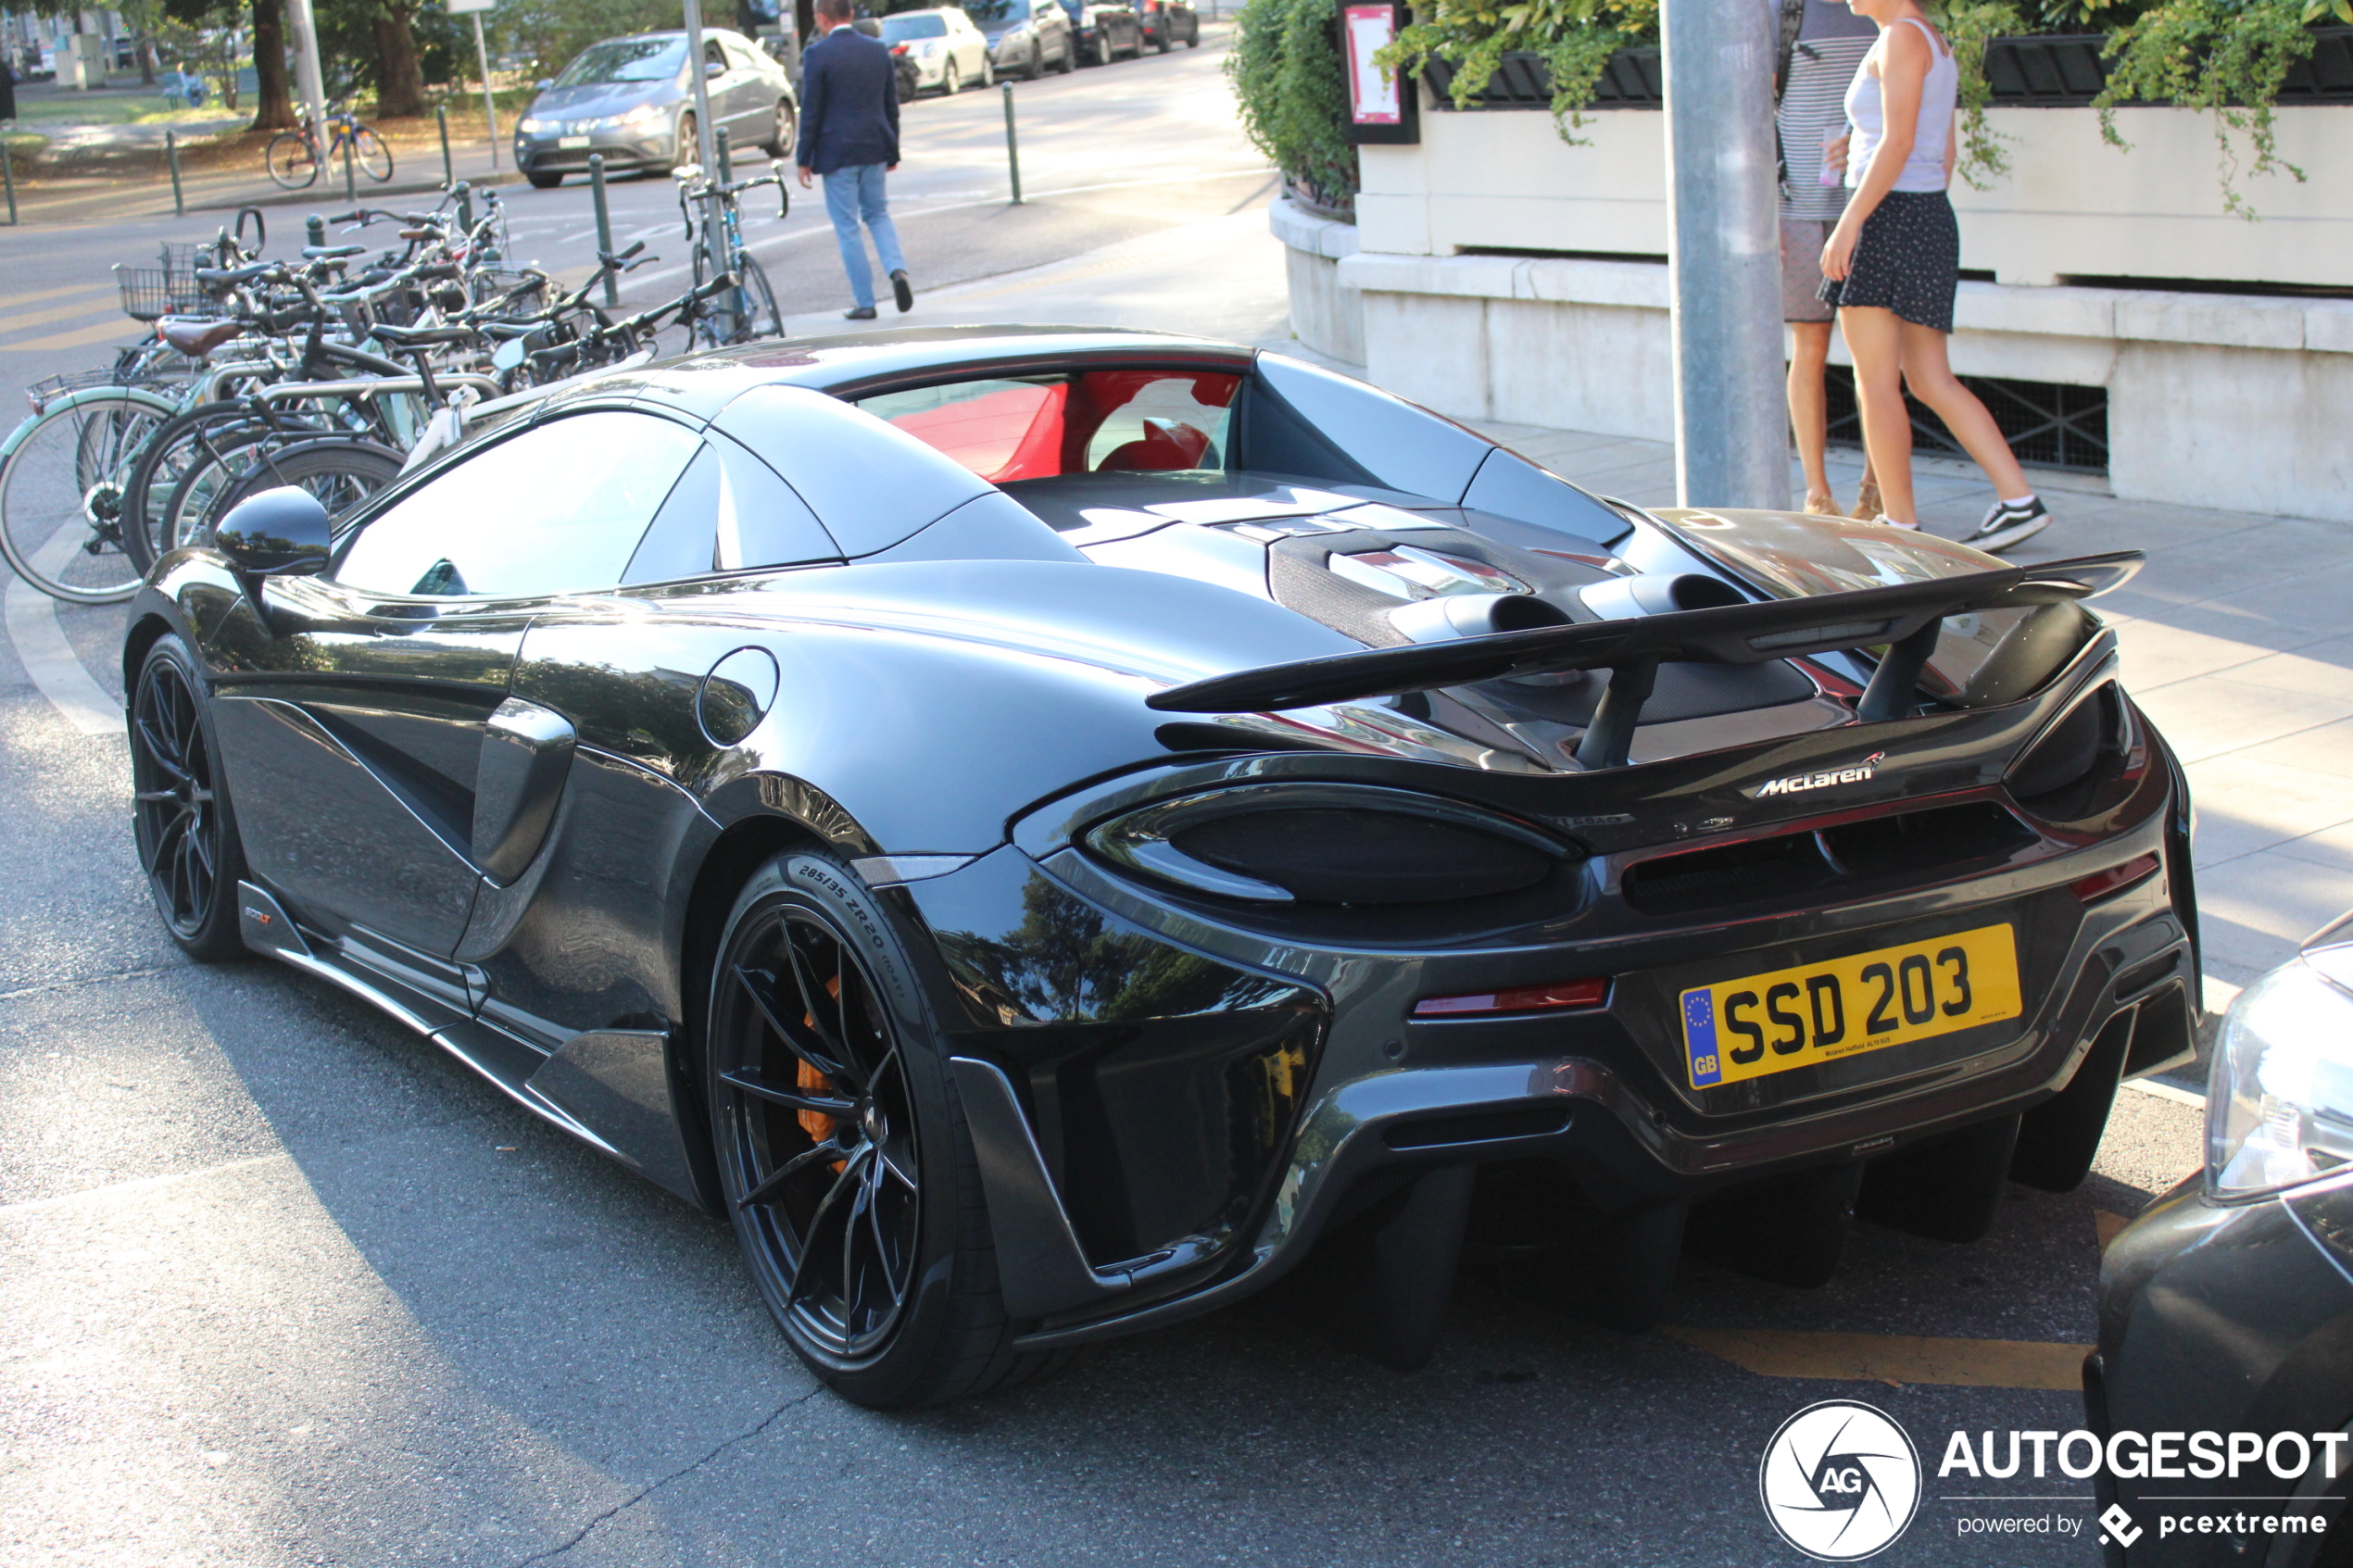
[41,643]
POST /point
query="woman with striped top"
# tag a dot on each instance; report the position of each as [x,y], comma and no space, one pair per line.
[1892,267]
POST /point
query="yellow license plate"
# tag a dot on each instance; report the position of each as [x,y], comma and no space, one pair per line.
[1818,1013]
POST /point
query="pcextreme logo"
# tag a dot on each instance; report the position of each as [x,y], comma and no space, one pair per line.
[1798,783]
[1840,1481]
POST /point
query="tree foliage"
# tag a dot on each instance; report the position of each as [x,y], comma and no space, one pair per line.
[1574,38]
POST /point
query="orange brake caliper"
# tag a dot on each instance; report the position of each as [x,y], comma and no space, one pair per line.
[816,1124]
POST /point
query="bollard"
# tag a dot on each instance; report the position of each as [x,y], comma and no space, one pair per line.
[726,162]
[172,157]
[8,175]
[314,230]
[465,194]
[350,177]
[1013,146]
[604,224]
[449,170]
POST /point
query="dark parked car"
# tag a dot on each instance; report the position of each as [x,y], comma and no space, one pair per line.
[2228,1307]
[1105,30]
[1044,828]
[631,100]
[1025,37]
[1167,22]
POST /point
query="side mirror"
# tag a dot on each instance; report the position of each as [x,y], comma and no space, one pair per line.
[281,533]
[713,68]
[543,84]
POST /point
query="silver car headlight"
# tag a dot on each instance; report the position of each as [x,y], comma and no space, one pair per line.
[2279,1104]
[530,127]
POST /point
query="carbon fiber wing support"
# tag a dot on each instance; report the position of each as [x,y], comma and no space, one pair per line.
[1904,618]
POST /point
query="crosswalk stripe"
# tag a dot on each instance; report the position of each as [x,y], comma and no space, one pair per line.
[58,313]
[12,300]
[1896,1359]
[117,331]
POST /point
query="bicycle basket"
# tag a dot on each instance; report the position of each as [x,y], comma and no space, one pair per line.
[490,283]
[152,293]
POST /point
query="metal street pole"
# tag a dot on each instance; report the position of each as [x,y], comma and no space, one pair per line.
[309,81]
[706,147]
[1732,420]
[489,104]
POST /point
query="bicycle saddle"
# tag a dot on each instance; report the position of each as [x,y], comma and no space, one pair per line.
[329,253]
[196,338]
[423,337]
[245,275]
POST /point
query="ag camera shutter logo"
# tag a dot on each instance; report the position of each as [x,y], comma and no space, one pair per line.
[1839,1480]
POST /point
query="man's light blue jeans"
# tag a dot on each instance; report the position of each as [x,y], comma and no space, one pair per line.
[852,194]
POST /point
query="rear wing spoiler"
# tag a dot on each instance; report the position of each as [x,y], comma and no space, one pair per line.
[1907,618]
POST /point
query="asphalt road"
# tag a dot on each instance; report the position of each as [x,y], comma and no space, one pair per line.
[281,1284]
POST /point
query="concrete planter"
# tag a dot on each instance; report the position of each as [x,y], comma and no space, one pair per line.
[2233,401]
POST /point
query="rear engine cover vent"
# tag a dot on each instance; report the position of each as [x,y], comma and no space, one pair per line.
[1931,845]
[1325,855]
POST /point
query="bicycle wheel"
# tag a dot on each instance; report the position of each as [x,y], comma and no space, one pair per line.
[713,322]
[759,318]
[342,472]
[61,490]
[375,158]
[181,442]
[291,160]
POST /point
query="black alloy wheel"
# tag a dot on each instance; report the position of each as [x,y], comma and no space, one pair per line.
[841,1148]
[787,129]
[187,839]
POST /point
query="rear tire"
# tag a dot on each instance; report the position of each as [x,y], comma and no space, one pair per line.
[291,160]
[841,1145]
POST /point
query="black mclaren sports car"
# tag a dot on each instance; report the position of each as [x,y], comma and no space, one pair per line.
[1045,829]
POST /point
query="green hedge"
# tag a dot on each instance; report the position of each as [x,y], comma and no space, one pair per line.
[1293,93]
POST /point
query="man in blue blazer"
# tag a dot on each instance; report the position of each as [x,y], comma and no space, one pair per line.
[849,135]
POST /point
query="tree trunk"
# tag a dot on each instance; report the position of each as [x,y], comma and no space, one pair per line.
[146,49]
[400,89]
[273,106]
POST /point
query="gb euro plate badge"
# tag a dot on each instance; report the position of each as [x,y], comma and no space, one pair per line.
[1789,1017]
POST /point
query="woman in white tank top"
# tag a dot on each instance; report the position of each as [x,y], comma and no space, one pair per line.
[1893,265]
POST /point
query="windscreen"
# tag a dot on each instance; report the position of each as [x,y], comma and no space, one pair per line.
[1081,421]
[625,59]
[996,13]
[899,30]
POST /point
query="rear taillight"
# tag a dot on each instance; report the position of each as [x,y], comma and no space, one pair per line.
[2099,884]
[1561,996]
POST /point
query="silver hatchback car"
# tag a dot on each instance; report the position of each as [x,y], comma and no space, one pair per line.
[631,100]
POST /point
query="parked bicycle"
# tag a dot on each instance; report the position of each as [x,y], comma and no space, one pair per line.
[293,157]
[747,310]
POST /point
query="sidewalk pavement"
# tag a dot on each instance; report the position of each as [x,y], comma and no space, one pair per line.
[2236,635]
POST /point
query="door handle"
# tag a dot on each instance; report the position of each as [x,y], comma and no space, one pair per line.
[526,752]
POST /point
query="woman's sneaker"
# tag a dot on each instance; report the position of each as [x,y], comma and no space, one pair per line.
[2009,524]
